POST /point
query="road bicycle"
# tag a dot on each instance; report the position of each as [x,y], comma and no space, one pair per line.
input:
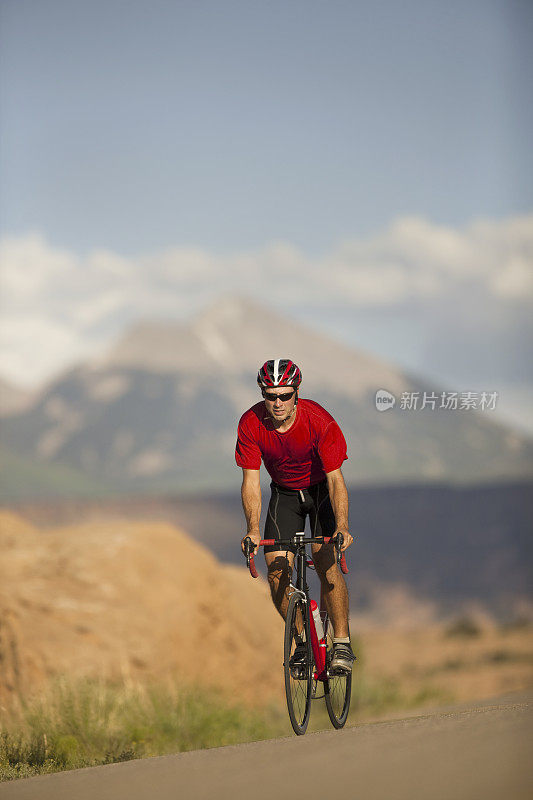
[306,624]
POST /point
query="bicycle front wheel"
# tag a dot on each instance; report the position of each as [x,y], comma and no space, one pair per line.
[337,688]
[298,679]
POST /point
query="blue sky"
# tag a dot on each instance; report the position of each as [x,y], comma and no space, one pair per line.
[140,125]
[365,167]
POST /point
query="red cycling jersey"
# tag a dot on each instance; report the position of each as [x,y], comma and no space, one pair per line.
[297,458]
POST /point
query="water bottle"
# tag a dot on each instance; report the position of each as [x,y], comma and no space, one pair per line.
[318,620]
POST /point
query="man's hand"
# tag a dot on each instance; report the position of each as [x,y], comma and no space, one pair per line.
[255,536]
[347,538]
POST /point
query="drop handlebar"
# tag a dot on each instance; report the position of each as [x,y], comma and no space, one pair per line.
[295,541]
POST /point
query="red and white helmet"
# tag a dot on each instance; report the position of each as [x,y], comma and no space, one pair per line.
[279,372]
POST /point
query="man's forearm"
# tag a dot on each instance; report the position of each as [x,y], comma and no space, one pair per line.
[339,501]
[251,504]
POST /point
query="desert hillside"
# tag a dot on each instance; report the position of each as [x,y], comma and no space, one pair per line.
[130,600]
[422,553]
[142,602]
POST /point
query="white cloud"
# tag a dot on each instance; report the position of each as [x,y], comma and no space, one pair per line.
[29,264]
[378,283]
[436,261]
[515,280]
[33,347]
[57,307]
[95,309]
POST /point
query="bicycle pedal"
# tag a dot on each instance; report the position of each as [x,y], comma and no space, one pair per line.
[339,672]
[299,674]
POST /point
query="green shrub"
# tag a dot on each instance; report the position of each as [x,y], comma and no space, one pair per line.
[516,624]
[463,627]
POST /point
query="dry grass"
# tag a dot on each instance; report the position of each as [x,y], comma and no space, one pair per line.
[120,607]
[86,722]
[462,661]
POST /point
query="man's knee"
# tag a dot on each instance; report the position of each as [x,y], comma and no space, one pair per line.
[279,574]
[325,562]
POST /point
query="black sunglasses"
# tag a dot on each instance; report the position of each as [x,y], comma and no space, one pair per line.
[282,397]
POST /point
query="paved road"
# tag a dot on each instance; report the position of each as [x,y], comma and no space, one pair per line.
[480,753]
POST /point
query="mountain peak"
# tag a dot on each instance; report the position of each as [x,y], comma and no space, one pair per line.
[161,408]
[237,334]
[228,308]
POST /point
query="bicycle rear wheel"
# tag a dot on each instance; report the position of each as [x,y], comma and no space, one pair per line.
[337,688]
[298,686]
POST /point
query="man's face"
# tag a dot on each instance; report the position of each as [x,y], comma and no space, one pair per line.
[279,402]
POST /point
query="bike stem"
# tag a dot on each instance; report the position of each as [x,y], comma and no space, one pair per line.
[301,564]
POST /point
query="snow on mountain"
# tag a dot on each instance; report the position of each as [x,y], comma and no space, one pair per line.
[159,410]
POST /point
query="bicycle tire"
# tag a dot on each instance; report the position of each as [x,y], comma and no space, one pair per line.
[297,691]
[337,689]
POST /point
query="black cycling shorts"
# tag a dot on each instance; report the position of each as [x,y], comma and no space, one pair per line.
[289,508]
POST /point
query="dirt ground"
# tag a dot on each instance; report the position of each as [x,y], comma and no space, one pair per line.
[139,601]
[442,660]
[130,601]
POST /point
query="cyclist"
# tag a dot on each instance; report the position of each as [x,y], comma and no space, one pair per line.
[302,448]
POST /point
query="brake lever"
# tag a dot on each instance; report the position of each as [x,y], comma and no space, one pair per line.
[249,553]
[247,546]
[341,559]
[339,541]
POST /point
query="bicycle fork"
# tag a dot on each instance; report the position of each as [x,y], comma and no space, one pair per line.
[318,645]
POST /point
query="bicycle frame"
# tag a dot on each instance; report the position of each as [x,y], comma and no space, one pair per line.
[300,562]
[318,645]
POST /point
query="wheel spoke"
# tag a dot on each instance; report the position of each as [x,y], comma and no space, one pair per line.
[298,690]
[338,690]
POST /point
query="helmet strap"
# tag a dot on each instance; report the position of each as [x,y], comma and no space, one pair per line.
[293,412]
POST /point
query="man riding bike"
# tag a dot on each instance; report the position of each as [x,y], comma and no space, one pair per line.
[302,448]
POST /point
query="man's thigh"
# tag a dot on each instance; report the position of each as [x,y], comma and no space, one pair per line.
[285,518]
